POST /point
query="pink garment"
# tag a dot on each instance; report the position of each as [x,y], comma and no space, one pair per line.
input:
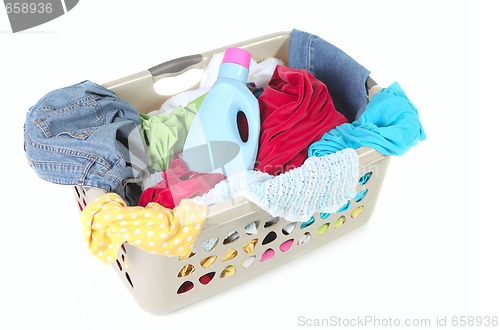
[178,183]
[295,111]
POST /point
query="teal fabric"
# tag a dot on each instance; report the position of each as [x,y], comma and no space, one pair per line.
[390,124]
[165,134]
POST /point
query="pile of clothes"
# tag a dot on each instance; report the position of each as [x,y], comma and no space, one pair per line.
[314,113]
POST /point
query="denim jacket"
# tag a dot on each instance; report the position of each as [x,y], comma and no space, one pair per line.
[82,135]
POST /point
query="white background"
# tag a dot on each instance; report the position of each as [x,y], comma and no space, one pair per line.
[431,248]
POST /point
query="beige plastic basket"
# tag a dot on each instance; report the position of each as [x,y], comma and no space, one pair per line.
[244,232]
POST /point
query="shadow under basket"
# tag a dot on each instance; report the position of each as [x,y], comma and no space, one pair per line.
[238,240]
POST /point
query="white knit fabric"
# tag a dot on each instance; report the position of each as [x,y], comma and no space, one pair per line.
[321,184]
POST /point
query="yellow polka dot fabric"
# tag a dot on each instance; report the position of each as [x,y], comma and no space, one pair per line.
[108,222]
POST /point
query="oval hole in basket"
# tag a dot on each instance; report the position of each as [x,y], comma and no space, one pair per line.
[340,221]
[230,254]
[80,206]
[129,279]
[271,222]
[250,245]
[185,287]
[251,228]
[208,261]
[286,245]
[288,229]
[186,270]
[324,215]
[268,254]
[357,211]
[271,236]
[304,238]
[206,278]
[322,229]
[179,83]
[228,271]
[231,237]
[187,256]
[364,179]
[307,223]
[359,196]
[248,261]
[344,207]
[209,244]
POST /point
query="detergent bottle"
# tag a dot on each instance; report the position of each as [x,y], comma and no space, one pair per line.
[214,143]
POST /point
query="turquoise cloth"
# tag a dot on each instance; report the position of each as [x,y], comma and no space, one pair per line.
[165,134]
[321,184]
[389,124]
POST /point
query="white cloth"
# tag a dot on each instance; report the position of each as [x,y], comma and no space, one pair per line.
[259,73]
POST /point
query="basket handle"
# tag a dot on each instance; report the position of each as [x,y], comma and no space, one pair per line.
[372,87]
[176,66]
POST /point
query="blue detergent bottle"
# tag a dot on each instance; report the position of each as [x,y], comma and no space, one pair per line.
[213,143]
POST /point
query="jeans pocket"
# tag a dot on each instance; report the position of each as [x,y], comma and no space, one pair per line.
[77,120]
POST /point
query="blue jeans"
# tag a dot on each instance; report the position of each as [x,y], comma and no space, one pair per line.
[344,77]
[82,135]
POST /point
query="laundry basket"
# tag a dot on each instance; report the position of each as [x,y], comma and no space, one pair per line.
[245,240]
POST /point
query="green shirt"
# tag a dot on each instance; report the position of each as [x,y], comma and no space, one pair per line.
[165,134]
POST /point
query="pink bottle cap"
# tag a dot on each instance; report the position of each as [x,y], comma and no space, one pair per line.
[237,56]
